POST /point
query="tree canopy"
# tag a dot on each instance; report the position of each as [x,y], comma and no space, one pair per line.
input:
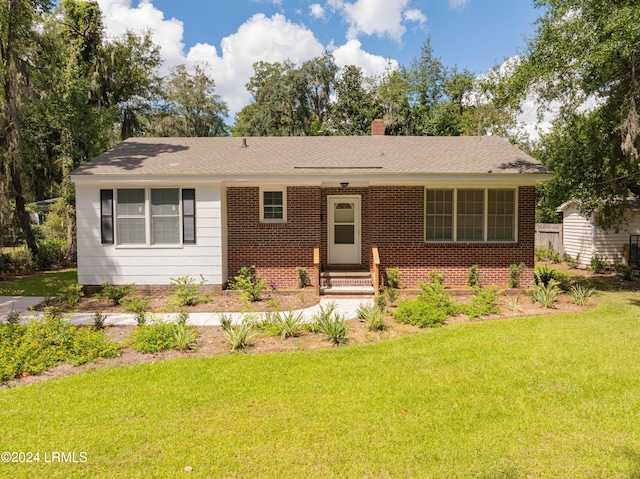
[584,60]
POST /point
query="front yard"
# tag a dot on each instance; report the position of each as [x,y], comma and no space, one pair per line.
[545,396]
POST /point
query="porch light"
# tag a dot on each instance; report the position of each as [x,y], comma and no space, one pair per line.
[344,185]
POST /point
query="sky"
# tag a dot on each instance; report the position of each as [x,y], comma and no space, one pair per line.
[231,35]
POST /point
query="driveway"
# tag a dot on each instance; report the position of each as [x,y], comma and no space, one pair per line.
[17,303]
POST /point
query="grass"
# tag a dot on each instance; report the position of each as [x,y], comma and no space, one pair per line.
[544,397]
[46,284]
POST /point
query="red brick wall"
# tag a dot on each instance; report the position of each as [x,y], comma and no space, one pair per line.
[276,249]
[398,233]
[392,219]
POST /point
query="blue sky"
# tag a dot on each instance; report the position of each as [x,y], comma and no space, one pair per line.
[230,35]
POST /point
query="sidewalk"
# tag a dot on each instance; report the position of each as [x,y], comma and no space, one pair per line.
[347,307]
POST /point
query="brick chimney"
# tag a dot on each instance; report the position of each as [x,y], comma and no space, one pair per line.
[377,127]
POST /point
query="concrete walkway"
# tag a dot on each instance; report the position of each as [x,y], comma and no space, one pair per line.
[347,307]
[21,304]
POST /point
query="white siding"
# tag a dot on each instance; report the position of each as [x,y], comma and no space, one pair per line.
[577,235]
[611,243]
[580,235]
[98,263]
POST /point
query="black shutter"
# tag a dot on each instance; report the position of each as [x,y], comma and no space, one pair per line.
[189,216]
[106,216]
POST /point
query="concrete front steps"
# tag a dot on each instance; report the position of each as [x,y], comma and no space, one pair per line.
[346,282]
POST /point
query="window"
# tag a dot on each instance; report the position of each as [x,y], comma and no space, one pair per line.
[165,216]
[439,216]
[502,215]
[273,205]
[106,216]
[130,212]
[470,215]
[148,216]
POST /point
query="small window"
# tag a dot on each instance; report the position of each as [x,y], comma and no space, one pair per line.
[273,205]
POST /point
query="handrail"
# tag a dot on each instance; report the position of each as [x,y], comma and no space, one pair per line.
[376,269]
[316,264]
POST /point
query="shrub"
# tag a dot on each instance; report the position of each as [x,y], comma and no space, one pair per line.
[547,255]
[572,262]
[70,294]
[381,302]
[625,271]
[20,261]
[598,263]
[483,303]
[513,303]
[393,277]
[151,338]
[52,252]
[546,295]
[240,336]
[13,317]
[98,320]
[543,275]
[248,283]
[113,294]
[287,325]
[392,295]
[515,271]
[473,276]
[303,277]
[581,294]
[184,337]
[420,313]
[333,327]
[363,310]
[187,291]
[436,277]
[32,348]
[137,306]
[375,320]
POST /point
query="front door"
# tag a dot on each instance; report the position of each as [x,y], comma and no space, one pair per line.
[344,229]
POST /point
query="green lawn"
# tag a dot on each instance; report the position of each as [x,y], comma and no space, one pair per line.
[541,397]
[45,284]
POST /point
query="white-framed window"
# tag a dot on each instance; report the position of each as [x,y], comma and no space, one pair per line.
[273,205]
[470,215]
[148,216]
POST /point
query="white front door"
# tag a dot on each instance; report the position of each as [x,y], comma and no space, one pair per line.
[344,229]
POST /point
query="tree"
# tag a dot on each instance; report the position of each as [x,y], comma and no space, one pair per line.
[356,106]
[191,106]
[18,36]
[585,58]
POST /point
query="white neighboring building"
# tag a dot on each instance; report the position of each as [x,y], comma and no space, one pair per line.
[580,235]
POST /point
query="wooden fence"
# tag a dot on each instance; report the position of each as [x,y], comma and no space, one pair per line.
[549,236]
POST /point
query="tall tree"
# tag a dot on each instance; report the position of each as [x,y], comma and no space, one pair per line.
[191,106]
[356,106]
[19,20]
[585,57]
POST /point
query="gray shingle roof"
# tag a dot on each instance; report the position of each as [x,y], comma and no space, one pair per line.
[305,156]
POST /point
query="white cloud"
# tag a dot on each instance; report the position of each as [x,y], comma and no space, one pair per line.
[270,39]
[415,15]
[375,17]
[351,53]
[316,10]
[458,3]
